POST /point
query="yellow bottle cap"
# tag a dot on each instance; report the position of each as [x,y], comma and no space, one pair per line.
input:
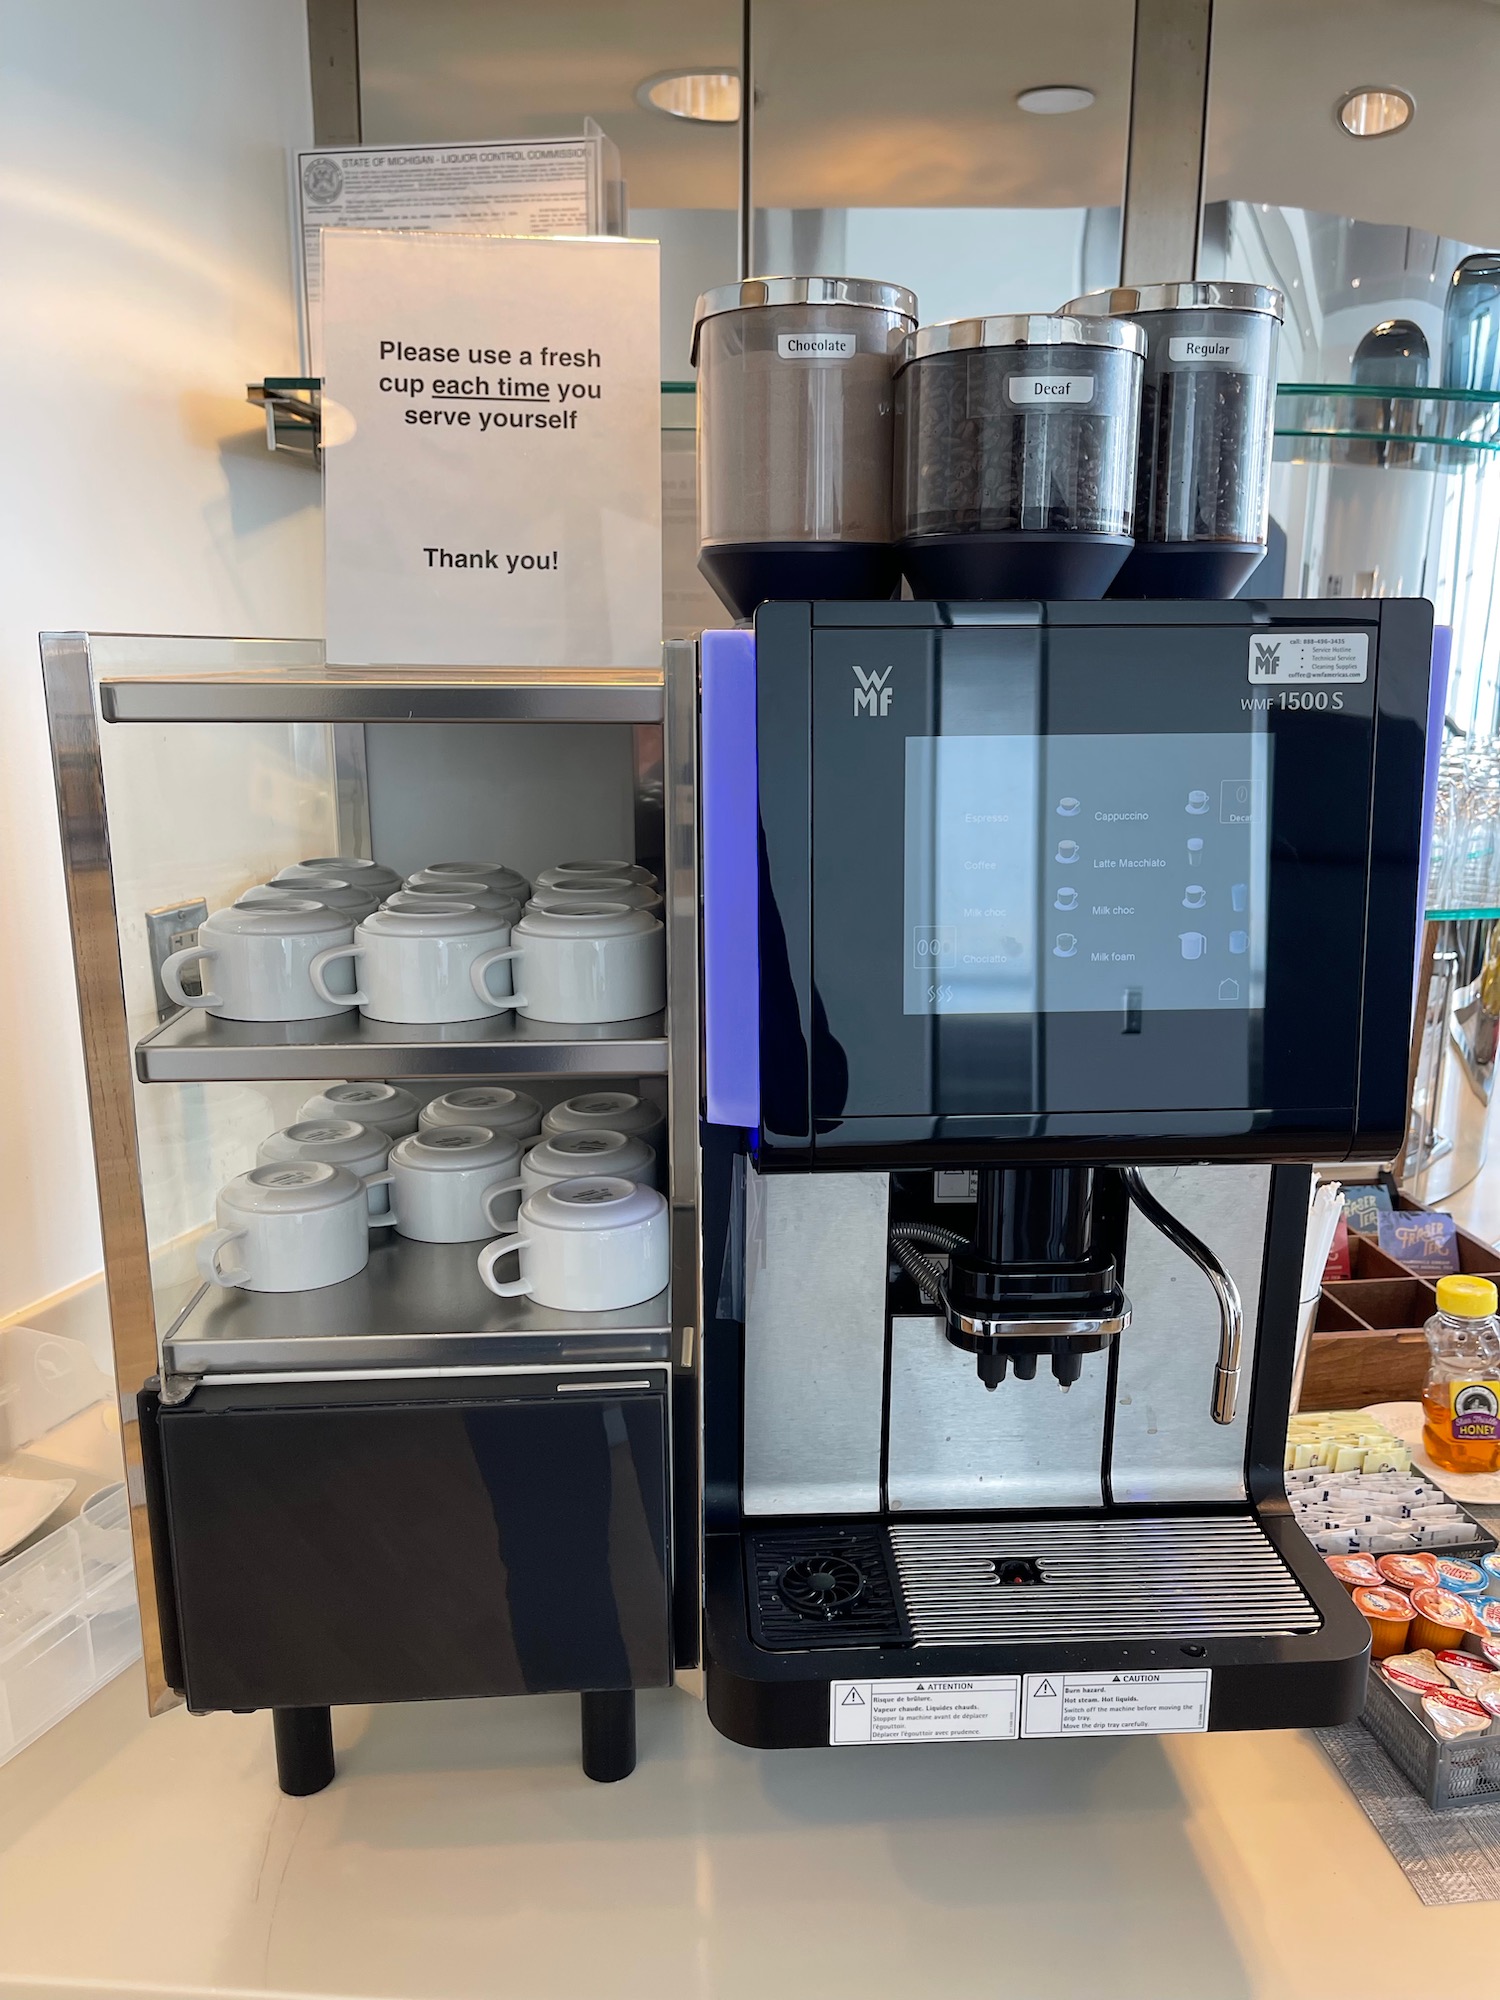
[1467,1298]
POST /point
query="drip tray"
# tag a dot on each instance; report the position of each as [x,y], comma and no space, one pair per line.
[1003,1581]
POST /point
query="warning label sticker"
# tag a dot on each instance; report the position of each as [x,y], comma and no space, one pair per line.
[1341,658]
[1123,1704]
[924,1711]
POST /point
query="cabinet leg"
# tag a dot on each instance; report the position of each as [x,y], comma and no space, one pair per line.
[304,1749]
[608,1735]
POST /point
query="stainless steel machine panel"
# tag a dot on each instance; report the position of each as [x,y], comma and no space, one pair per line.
[815,1284]
[1166,1445]
[956,1445]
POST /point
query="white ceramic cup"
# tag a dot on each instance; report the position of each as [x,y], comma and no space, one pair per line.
[603,1110]
[415,966]
[257,964]
[290,1226]
[618,1156]
[382,1106]
[488,1104]
[600,962]
[586,1245]
[351,904]
[371,876]
[563,872]
[493,874]
[338,1142]
[570,895]
[453,1183]
[475,895]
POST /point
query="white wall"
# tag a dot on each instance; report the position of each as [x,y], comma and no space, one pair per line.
[146,279]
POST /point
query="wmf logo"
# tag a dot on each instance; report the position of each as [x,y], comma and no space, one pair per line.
[1267,661]
[872,697]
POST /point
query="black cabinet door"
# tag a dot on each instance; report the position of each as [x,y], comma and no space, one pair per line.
[371,1542]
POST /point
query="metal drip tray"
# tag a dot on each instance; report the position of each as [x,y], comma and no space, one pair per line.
[1212,1576]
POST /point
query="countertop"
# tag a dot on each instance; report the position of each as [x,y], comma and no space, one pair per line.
[461,1852]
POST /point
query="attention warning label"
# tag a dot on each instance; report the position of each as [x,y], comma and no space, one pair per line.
[925,1711]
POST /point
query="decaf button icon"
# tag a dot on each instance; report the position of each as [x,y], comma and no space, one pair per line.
[1065,899]
[1193,943]
[1067,808]
[1066,945]
[1197,802]
[1194,896]
[1067,850]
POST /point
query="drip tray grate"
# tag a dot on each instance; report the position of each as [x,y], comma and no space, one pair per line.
[975,1582]
[822,1586]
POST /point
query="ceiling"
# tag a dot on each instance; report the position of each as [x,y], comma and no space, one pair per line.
[862,103]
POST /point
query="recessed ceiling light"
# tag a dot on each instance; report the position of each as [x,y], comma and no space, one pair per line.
[706,96]
[1374,112]
[1053,98]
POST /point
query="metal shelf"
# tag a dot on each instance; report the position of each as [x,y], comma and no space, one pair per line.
[414,1306]
[386,694]
[194,1047]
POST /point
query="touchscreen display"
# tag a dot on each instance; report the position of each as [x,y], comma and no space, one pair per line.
[1085,874]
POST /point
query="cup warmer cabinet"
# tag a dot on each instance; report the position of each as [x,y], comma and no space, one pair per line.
[401,1487]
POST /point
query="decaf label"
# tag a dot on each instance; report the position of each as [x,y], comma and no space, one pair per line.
[1027,391]
[815,346]
[1223,350]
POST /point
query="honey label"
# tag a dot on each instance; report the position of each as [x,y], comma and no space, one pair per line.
[1475,1410]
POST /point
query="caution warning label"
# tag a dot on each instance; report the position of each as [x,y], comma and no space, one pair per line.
[924,1711]
[1123,1704]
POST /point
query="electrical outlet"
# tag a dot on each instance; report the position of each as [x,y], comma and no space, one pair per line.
[169,929]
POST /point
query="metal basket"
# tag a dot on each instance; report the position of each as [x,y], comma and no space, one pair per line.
[1446,1774]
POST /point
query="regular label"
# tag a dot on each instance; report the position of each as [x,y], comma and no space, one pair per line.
[815,346]
[1122,1704]
[925,1711]
[1227,350]
[1329,658]
[1026,391]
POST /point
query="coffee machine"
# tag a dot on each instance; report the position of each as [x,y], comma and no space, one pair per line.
[1046,947]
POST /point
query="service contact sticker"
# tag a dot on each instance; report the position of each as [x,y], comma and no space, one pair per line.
[1327,658]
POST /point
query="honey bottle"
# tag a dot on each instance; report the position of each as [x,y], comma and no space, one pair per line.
[1461,1396]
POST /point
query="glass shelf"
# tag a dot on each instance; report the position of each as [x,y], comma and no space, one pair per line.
[294,411]
[1408,430]
[1462,916]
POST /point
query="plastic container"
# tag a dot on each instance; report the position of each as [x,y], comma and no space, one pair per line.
[795,436]
[1464,1579]
[68,1619]
[1461,1396]
[1389,1616]
[1446,1774]
[1439,1619]
[1208,397]
[1015,455]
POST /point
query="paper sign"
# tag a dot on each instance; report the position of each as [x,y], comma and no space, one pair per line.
[492,457]
[1123,1704]
[974,1710]
[518,187]
[1426,1244]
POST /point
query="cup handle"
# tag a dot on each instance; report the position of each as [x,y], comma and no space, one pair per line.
[171,975]
[490,1256]
[319,986]
[494,1193]
[385,1179]
[481,985]
[208,1259]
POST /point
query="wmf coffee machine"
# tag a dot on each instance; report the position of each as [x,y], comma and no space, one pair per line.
[1045,945]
